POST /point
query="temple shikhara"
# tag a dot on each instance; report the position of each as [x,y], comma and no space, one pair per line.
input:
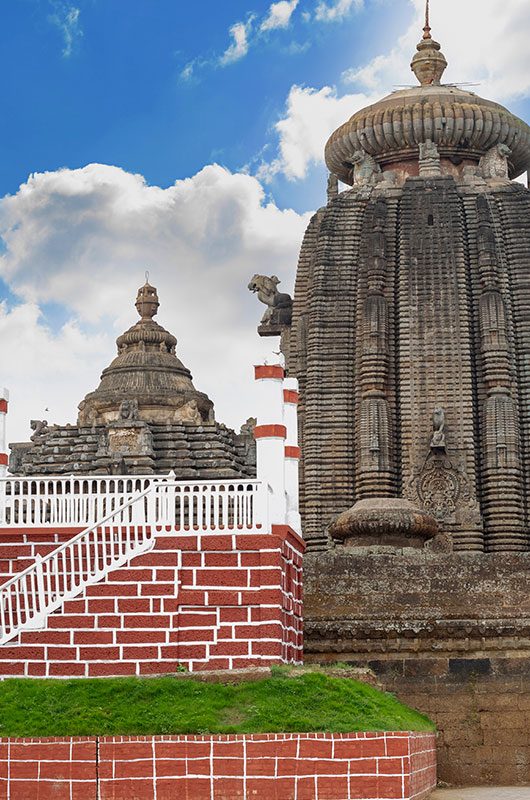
[395,450]
[145,417]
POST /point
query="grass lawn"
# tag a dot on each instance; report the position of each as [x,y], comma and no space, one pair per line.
[309,701]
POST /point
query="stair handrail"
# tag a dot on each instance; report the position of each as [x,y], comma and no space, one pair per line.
[31,595]
[27,599]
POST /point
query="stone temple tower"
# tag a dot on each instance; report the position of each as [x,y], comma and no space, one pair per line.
[410,334]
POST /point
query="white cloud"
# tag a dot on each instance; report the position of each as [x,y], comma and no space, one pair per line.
[495,56]
[84,238]
[311,116]
[66,18]
[41,368]
[187,72]
[240,44]
[279,15]
[336,11]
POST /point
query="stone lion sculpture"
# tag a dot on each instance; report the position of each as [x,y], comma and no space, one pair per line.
[494,164]
[365,169]
[267,291]
[40,428]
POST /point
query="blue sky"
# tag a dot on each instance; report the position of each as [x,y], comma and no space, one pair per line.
[187,138]
[112,93]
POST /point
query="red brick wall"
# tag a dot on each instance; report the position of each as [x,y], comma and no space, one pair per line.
[262,767]
[204,601]
[48,769]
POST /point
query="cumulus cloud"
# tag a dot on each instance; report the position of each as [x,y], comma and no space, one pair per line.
[84,238]
[67,19]
[335,12]
[240,44]
[279,15]
[311,115]
[43,369]
[496,56]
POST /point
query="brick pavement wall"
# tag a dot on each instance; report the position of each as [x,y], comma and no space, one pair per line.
[355,766]
[197,600]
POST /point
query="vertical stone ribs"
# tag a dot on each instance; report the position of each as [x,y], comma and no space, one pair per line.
[297,351]
[376,472]
[501,463]
[329,419]
[435,359]
[510,211]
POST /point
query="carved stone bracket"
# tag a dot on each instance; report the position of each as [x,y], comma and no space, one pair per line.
[279,305]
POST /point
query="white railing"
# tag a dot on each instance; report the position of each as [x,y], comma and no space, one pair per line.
[129,530]
[27,599]
[213,506]
[67,502]
[78,502]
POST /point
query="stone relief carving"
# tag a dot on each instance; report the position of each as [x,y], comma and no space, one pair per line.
[375,338]
[430,165]
[189,412]
[442,488]
[279,305]
[374,434]
[129,409]
[493,329]
[366,171]
[40,428]
[438,426]
[333,187]
[502,444]
[494,164]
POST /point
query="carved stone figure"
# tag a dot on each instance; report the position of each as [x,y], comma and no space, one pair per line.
[40,428]
[129,409]
[247,429]
[190,413]
[438,426]
[279,306]
[366,171]
[495,163]
[429,160]
[117,466]
[333,187]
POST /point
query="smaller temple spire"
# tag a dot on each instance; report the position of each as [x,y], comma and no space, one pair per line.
[429,63]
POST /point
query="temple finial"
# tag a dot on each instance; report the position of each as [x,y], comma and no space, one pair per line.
[427,28]
[147,300]
[429,63]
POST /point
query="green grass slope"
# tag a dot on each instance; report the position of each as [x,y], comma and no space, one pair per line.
[311,701]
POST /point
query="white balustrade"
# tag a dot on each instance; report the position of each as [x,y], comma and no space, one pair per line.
[74,502]
[126,528]
[213,506]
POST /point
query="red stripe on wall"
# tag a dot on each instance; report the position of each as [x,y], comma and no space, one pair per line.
[291,396]
[270,432]
[272,371]
[292,452]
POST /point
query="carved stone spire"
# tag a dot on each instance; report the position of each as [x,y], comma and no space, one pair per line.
[429,63]
[147,375]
